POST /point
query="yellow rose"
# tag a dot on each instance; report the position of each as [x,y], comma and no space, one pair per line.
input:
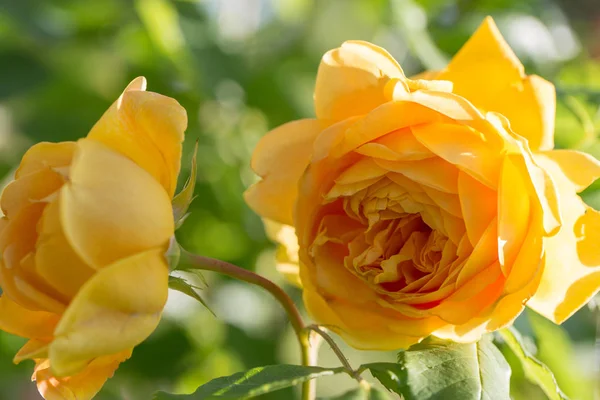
[431,206]
[83,238]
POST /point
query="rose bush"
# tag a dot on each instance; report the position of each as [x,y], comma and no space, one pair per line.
[433,205]
[83,239]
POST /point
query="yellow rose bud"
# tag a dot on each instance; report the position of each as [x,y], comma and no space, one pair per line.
[431,206]
[86,224]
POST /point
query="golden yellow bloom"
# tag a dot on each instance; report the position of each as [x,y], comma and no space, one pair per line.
[85,228]
[431,206]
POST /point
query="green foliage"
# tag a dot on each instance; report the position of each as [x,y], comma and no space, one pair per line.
[183,286]
[255,382]
[437,370]
[535,370]
[362,393]
[181,202]
[555,349]
[418,37]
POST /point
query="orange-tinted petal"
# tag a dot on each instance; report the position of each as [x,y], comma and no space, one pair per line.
[280,158]
[46,155]
[580,168]
[112,208]
[18,277]
[487,72]
[32,350]
[479,205]
[34,187]
[147,128]
[381,121]
[463,147]
[351,80]
[433,172]
[572,264]
[287,251]
[372,334]
[126,297]
[26,323]
[82,386]
[514,206]
[55,260]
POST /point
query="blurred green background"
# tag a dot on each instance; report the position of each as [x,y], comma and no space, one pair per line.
[240,68]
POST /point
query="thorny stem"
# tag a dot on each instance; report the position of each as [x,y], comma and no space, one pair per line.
[338,352]
[193,261]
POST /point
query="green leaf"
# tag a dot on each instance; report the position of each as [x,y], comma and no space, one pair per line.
[257,381]
[173,254]
[183,286]
[181,202]
[436,369]
[362,393]
[535,371]
[555,349]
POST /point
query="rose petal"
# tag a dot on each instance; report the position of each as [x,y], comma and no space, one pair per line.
[464,147]
[55,260]
[45,155]
[572,266]
[112,208]
[24,322]
[280,158]
[18,278]
[479,205]
[514,205]
[34,187]
[82,386]
[126,297]
[486,61]
[351,80]
[147,128]
[580,168]
[33,349]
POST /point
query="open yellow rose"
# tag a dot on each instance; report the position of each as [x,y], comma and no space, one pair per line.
[431,206]
[86,224]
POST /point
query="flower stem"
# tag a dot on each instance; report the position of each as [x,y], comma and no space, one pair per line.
[193,261]
[338,352]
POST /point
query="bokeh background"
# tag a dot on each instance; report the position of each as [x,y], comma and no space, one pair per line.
[240,68]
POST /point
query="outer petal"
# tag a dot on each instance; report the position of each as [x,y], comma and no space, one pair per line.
[148,128]
[487,72]
[572,268]
[23,322]
[111,208]
[581,169]
[35,187]
[287,250]
[32,350]
[18,278]
[114,311]
[280,158]
[45,154]
[463,147]
[479,205]
[351,80]
[514,208]
[369,331]
[55,260]
[82,386]
[391,117]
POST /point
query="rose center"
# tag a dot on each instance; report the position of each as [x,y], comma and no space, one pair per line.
[384,238]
